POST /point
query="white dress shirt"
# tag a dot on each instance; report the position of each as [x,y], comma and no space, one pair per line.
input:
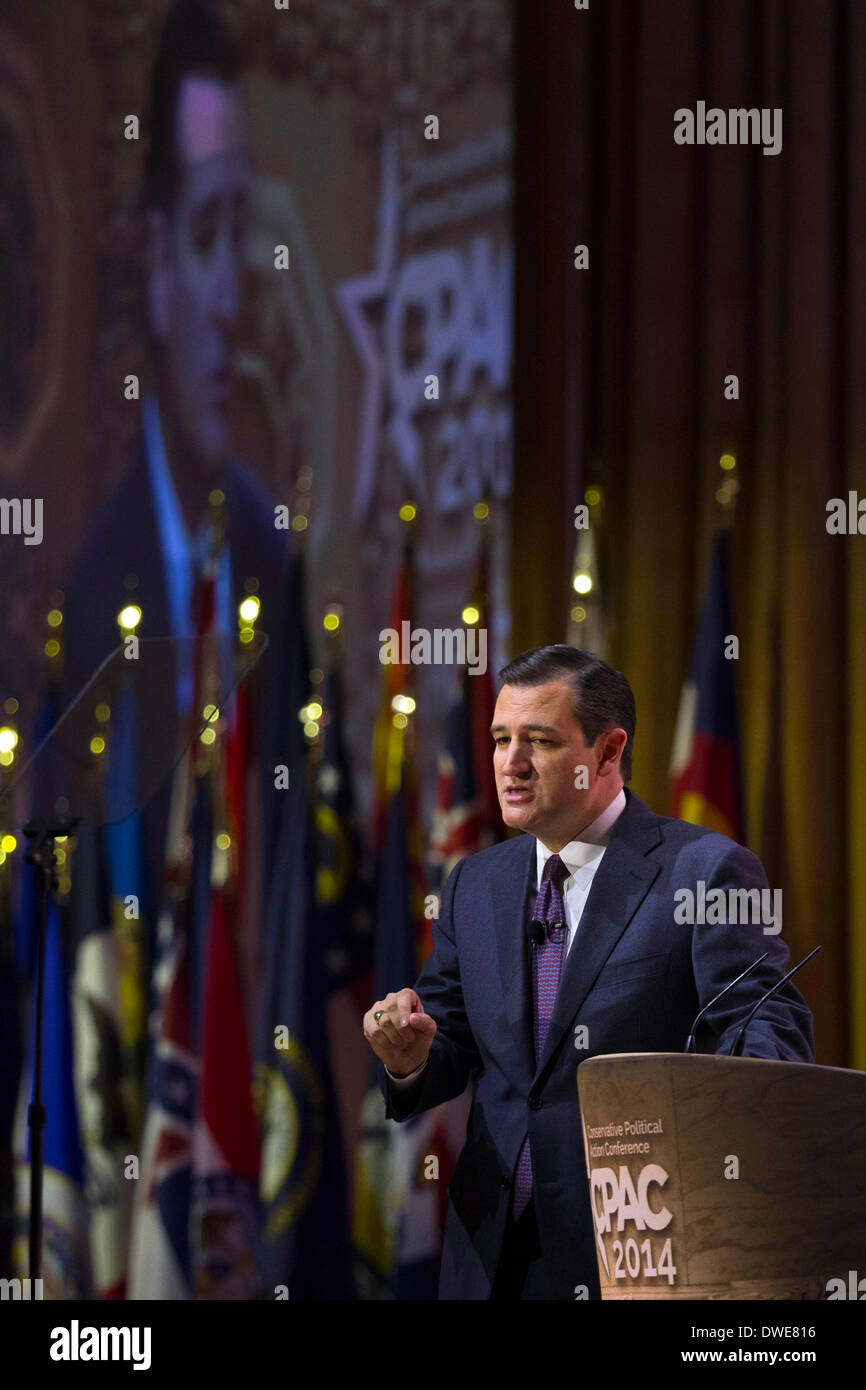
[582,857]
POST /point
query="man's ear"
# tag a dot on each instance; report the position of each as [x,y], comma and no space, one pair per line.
[613,743]
[159,287]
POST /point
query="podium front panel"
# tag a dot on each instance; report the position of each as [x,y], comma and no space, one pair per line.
[725,1177]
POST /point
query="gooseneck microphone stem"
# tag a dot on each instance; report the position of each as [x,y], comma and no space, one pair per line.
[690,1045]
[738,1040]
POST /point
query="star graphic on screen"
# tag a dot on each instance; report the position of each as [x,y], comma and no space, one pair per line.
[362,299]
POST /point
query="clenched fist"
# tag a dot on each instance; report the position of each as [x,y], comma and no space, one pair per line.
[402,1033]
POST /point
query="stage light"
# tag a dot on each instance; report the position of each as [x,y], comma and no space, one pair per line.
[129,617]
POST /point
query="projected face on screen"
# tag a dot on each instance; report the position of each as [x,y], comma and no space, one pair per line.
[195,267]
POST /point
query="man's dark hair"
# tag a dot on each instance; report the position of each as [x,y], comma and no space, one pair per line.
[194,40]
[603,698]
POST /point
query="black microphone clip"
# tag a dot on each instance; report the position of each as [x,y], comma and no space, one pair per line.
[536,933]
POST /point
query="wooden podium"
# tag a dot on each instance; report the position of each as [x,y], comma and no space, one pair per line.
[725,1177]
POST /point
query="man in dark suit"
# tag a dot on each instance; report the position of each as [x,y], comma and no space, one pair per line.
[499,1001]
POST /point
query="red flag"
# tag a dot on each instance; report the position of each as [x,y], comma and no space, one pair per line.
[226,1145]
[705,763]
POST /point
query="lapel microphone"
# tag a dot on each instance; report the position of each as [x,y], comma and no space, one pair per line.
[536,933]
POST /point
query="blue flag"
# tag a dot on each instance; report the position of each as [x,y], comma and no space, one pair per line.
[344,891]
[65,1252]
[302,1183]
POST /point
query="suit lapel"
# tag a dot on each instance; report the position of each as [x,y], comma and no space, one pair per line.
[511,895]
[621,883]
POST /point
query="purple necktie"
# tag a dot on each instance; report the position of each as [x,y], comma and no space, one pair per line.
[546,968]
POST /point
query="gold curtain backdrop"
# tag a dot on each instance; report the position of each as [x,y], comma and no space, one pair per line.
[708,261]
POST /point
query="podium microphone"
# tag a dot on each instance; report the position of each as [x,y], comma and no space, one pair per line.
[738,1040]
[690,1045]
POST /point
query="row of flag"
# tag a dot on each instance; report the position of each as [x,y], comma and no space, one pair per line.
[194,1146]
[402,1171]
[704,770]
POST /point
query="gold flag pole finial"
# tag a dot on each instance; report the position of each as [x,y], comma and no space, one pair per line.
[303,507]
[729,486]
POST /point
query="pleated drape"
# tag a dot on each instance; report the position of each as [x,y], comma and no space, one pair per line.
[704,262]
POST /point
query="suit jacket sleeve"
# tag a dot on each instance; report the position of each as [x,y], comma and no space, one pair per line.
[783,1028]
[453,1055]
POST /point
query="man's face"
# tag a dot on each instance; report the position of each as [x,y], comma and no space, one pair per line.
[538,744]
[196,264]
